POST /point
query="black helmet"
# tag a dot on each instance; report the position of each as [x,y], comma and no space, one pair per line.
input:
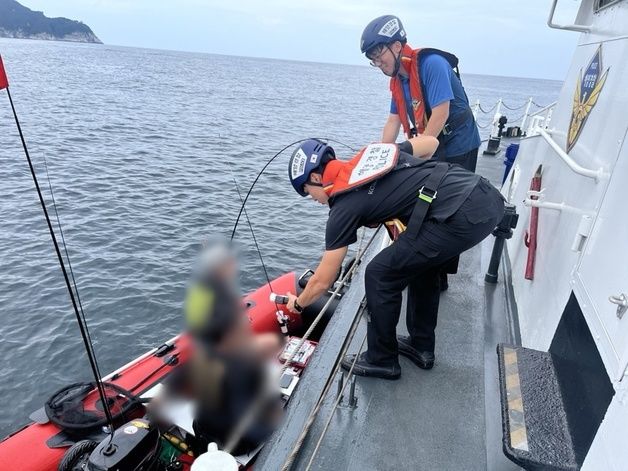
[382,30]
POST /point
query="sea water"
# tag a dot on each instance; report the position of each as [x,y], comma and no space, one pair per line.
[148,153]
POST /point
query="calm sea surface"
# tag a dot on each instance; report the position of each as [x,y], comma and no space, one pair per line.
[144,149]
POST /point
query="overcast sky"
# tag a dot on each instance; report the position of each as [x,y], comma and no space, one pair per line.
[496,37]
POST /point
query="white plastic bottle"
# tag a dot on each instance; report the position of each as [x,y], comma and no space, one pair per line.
[215,460]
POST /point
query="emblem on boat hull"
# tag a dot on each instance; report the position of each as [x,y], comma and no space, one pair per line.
[587,92]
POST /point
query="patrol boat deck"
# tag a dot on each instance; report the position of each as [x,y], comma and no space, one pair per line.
[559,378]
[427,420]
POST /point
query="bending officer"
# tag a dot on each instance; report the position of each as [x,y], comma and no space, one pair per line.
[446,209]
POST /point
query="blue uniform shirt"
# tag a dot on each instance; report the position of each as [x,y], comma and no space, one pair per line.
[441,84]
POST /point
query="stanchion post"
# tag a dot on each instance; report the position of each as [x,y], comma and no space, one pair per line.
[526,114]
[502,232]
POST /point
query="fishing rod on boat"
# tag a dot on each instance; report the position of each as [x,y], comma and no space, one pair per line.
[248,193]
[277,299]
[259,252]
[72,287]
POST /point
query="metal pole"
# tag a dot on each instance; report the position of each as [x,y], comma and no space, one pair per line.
[498,114]
[502,232]
[526,114]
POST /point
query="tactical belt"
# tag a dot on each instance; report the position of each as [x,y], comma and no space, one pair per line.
[452,122]
[427,194]
[458,119]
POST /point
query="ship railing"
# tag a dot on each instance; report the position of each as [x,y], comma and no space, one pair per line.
[540,118]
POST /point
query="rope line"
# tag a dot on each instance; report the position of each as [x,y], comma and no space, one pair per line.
[251,414]
[511,108]
[486,111]
[515,108]
[312,417]
[333,411]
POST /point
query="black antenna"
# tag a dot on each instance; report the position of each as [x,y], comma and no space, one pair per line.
[81,322]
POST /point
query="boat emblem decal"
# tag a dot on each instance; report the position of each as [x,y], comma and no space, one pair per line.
[587,92]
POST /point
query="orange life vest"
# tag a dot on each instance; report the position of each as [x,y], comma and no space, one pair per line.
[371,163]
[410,62]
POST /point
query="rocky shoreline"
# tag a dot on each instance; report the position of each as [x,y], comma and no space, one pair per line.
[72,37]
[18,21]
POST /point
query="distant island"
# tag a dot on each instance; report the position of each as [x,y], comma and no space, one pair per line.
[17,21]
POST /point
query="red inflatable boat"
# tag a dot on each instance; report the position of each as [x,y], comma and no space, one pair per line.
[45,446]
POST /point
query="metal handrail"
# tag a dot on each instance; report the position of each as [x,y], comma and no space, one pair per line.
[585,172]
[541,203]
[574,27]
[537,120]
[542,110]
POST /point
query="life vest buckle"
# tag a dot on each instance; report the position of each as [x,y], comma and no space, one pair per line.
[427,195]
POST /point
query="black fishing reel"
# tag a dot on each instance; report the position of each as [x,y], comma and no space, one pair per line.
[133,447]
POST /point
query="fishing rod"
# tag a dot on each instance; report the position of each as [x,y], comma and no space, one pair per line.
[72,288]
[259,252]
[277,299]
[248,193]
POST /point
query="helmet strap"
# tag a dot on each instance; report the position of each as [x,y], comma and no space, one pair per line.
[397,62]
[405,58]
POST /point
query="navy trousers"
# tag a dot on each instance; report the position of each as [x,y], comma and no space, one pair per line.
[468,161]
[415,263]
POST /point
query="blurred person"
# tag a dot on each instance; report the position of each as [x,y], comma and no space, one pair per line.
[227,372]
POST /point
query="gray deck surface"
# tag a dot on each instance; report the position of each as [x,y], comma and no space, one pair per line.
[447,418]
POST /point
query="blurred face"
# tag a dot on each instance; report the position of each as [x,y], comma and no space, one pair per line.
[384,56]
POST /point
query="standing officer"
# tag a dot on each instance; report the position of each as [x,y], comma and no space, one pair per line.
[427,97]
[446,209]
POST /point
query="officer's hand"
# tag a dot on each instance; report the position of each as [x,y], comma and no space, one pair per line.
[291,299]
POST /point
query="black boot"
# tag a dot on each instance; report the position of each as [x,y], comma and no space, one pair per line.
[363,368]
[422,358]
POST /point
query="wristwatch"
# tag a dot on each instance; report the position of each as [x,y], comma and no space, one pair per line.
[298,307]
